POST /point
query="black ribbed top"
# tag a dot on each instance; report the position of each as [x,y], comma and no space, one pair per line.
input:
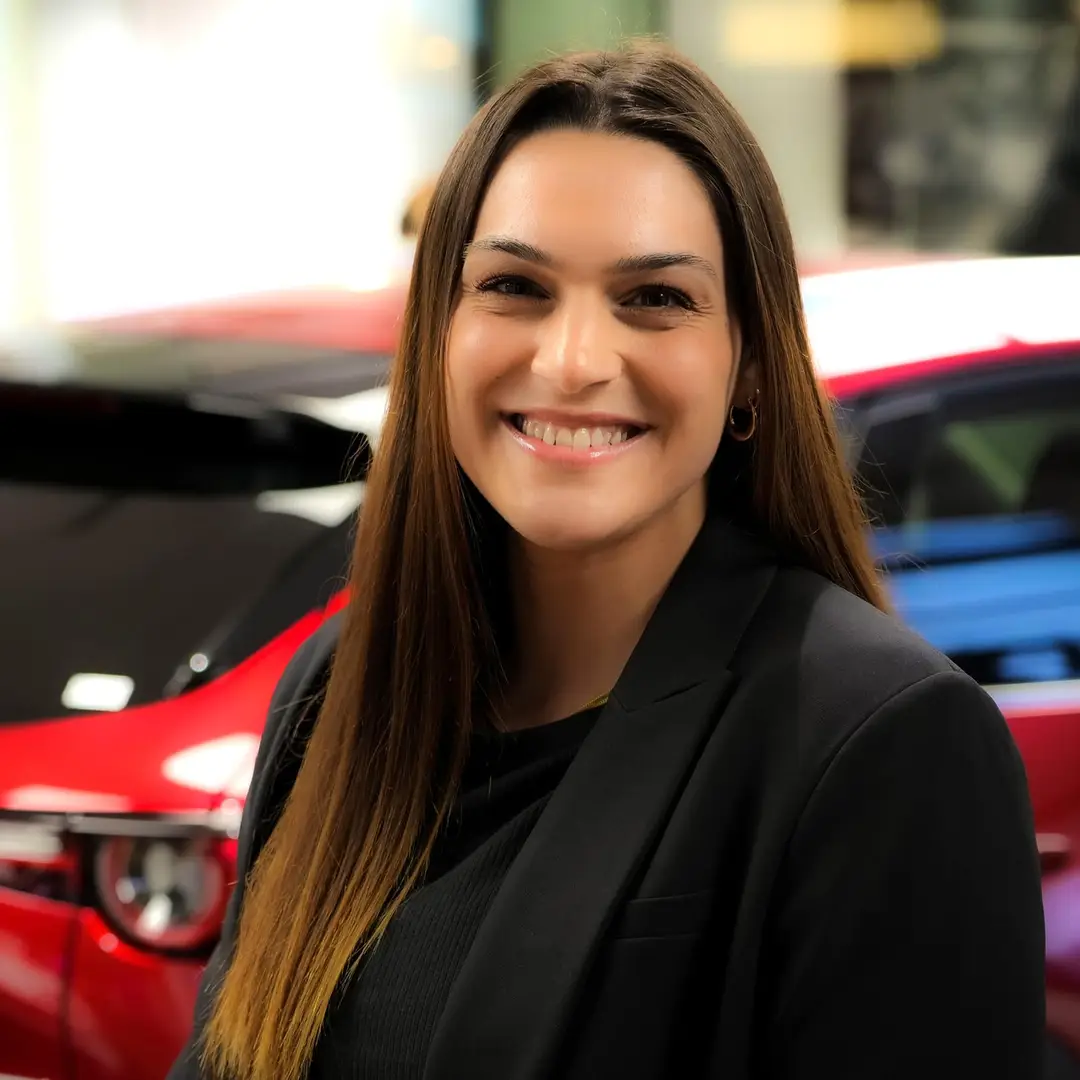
[383,1022]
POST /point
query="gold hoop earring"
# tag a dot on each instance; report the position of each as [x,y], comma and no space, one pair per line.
[743,434]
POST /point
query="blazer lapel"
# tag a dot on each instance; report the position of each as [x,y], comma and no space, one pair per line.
[512,1001]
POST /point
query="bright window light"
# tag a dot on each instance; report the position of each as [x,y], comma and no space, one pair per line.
[327,506]
[89,692]
[364,412]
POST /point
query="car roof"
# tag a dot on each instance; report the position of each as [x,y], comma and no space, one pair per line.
[872,327]
[320,343]
[332,319]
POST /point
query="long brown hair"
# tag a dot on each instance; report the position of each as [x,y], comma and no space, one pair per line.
[418,659]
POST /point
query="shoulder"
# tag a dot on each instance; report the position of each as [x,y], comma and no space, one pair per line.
[825,665]
[811,626]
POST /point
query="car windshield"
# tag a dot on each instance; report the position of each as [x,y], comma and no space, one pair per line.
[141,530]
[976,492]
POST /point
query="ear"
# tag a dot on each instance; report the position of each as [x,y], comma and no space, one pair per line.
[747,385]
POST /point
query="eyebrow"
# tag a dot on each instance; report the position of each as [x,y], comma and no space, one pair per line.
[630,264]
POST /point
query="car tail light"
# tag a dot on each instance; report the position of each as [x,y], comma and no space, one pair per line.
[166,893]
[34,860]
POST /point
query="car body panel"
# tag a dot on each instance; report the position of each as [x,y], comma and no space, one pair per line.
[329,319]
[36,939]
[109,978]
[951,315]
[171,757]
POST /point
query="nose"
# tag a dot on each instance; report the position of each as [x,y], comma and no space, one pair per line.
[577,347]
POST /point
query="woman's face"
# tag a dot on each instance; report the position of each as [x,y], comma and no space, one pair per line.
[592,358]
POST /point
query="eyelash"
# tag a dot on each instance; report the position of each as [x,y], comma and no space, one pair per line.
[492,285]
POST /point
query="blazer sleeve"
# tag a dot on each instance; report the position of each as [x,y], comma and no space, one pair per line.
[287,705]
[907,933]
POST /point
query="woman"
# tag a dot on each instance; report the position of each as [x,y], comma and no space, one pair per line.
[621,770]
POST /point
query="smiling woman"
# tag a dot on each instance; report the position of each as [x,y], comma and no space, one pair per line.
[593,329]
[621,769]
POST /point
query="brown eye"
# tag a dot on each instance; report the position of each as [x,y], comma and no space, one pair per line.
[660,296]
[511,285]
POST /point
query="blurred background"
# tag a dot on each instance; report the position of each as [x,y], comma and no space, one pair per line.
[207,216]
[159,151]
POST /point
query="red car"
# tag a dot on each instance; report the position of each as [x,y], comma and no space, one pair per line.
[170,543]
[174,519]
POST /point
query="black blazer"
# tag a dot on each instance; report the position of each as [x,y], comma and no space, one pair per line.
[797,844]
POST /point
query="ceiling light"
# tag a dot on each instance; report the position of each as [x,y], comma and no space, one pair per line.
[88,692]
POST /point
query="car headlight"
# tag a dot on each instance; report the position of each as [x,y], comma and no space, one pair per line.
[165,893]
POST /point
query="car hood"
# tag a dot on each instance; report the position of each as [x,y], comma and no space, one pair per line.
[170,757]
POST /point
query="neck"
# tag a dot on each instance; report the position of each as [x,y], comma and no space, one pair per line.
[580,614]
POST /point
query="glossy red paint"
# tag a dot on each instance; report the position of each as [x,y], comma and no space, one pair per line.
[36,938]
[69,985]
[110,980]
[170,757]
[875,379]
[1049,742]
[326,319]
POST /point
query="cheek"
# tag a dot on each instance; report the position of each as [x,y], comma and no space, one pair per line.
[481,351]
[464,367]
[691,383]
[474,365]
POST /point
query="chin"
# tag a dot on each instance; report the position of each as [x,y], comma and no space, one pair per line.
[568,531]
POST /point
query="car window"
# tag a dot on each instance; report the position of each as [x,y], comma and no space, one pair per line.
[1012,461]
[137,532]
[975,494]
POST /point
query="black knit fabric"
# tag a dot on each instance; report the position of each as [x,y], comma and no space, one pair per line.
[382,1024]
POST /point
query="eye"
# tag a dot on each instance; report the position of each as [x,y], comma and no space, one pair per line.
[511,285]
[659,296]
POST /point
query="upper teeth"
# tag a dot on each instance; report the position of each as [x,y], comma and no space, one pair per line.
[577,438]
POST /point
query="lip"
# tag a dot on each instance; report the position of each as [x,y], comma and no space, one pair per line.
[567,455]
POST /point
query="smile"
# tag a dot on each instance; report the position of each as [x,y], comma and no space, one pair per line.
[589,440]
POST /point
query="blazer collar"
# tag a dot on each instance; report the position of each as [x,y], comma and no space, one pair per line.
[701,617]
[510,1007]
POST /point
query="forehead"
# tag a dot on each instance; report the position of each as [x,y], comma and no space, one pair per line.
[573,189]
